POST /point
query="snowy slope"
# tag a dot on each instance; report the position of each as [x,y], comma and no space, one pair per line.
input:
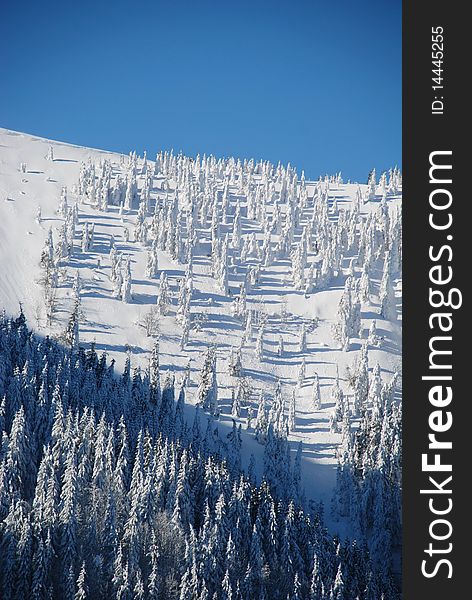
[113,324]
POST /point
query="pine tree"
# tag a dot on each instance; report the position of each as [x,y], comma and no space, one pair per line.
[72,331]
[302,347]
[185,331]
[276,414]
[374,398]
[41,566]
[298,267]
[242,396]
[152,263]
[339,404]
[364,286]
[126,295]
[207,393]
[81,593]
[163,299]
[338,586]
[280,346]
[260,428]
[77,285]
[138,590]
[373,339]
[249,417]
[387,295]
[292,411]
[63,207]
[259,348]
[310,282]
[234,363]
[348,322]
[361,381]
[316,393]
[188,371]
[301,373]
[248,328]
[68,513]
[62,246]
[85,242]
[235,404]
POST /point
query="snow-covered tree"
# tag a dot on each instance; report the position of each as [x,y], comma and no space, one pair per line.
[63,206]
[126,295]
[207,392]
[373,338]
[235,363]
[82,591]
[85,240]
[316,393]
[72,331]
[152,263]
[163,296]
[292,411]
[387,295]
[348,320]
[185,331]
[340,406]
[364,287]
[301,373]
[280,346]
[259,348]
[248,327]
[260,428]
[302,340]
[361,381]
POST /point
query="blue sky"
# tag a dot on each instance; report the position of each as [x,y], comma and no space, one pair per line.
[315,83]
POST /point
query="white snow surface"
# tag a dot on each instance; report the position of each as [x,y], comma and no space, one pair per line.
[112,324]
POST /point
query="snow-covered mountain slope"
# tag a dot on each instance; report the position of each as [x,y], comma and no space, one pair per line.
[32,178]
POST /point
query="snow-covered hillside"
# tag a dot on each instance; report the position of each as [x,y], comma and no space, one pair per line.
[270,257]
